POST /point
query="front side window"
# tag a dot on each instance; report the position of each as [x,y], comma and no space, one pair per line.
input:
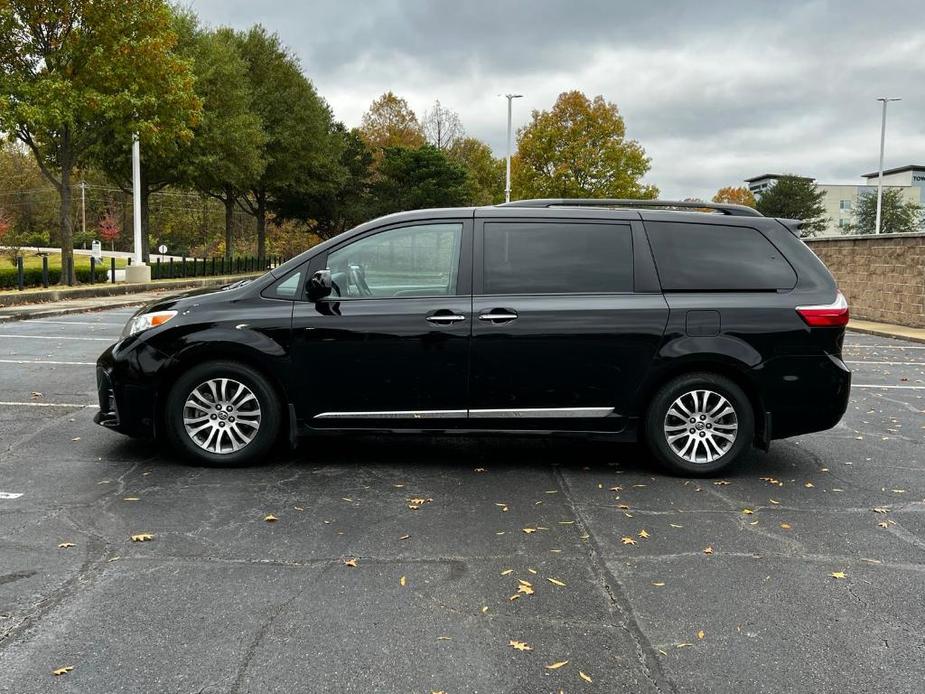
[557,258]
[410,261]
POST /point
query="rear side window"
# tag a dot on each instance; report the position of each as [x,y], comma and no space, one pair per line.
[713,257]
[557,258]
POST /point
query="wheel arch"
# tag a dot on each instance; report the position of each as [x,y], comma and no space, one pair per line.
[735,371]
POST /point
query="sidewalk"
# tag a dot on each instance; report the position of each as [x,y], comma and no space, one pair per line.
[81,299]
[887,330]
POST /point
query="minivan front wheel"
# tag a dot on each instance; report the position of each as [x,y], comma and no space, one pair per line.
[222,414]
[699,423]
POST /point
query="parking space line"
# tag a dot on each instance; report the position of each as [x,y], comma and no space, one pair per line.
[42,361]
[884,346]
[73,322]
[889,363]
[59,337]
[10,403]
[866,385]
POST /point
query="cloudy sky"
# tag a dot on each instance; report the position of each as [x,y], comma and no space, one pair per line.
[715,91]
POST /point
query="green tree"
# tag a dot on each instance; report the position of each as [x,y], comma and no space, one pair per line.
[795,197]
[300,150]
[75,71]
[577,150]
[897,214]
[484,173]
[736,195]
[226,158]
[390,122]
[413,179]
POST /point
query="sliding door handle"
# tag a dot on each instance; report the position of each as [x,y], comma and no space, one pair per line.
[498,315]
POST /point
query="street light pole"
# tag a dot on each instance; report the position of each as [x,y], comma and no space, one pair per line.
[83,210]
[884,100]
[507,180]
[137,271]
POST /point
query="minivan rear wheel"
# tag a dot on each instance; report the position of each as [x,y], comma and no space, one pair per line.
[699,424]
[222,414]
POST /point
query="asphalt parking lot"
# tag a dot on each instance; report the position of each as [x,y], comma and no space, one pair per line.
[800,571]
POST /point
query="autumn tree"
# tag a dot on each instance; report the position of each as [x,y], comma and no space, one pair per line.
[108,227]
[579,149]
[299,148]
[897,214]
[75,71]
[442,127]
[739,195]
[390,122]
[484,172]
[795,197]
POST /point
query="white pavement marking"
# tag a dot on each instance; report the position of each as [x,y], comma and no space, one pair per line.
[890,363]
[864,385]
[36,361]
[73,322]
[59,337]
[10,495]
[884,346]
[9,403]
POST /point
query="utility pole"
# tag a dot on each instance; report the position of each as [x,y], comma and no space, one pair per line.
[507,180]
[884,100]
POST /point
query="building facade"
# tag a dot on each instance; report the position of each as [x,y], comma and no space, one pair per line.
[840,199]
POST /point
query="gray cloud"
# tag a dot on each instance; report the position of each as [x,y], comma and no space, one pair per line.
[715,91]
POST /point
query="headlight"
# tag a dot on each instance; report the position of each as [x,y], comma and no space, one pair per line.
[146,321]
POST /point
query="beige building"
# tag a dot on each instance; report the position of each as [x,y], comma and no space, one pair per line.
[840,199]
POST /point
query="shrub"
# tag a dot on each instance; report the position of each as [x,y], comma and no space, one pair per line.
[32,276]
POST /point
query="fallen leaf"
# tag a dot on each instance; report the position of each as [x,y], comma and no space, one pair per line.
[774,501]
[785,526]
[444,638]
[76,438]
[142,537]
[643,534]
[533,571]
[525,589]
[350,562]
[809,485]
[721,483]
[36,394]
[658,584]
[520,646]
[683,645]
[480,469]
[571,522]
[529,530]
[556,582]
[708,550]
[298,508]
[62,670]
[837,574]
[485,609]
[627,540]
[270,518]
[881,510]
[700,634]
[402,581]
[747,511]
[404,537]
[556,666]
[131,498]
[65,545]
[507,572]
[675,525]
[585,677]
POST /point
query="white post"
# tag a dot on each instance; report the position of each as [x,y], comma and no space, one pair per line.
[137,271]
[883,100]
[507,179]
[83,209]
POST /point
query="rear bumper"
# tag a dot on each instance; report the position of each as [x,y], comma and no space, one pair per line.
[805,394]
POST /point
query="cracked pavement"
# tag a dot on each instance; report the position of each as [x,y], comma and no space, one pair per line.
[223,601]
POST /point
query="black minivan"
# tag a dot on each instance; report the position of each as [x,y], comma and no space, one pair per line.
[702,329]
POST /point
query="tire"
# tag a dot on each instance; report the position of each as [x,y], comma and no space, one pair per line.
[701,447]
[241,435]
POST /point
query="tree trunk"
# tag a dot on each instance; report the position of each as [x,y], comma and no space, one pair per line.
[229,224]
[261,229]
[68,276]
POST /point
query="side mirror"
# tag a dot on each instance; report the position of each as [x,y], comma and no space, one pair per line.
[320,285]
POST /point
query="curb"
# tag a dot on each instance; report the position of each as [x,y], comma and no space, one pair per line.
[52,311]
[882,332]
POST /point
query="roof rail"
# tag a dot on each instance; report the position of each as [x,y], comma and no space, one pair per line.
[724,208]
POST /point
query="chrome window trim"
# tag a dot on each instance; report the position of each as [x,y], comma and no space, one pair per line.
[523,412]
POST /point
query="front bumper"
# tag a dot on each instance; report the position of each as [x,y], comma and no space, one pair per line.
[127,393]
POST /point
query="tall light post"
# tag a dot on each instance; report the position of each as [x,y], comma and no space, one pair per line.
[884,100]
[137,271]
[507,180]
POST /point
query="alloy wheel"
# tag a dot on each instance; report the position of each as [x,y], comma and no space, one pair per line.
[221,415]
[701,426]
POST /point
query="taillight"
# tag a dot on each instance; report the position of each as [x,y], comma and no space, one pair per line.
[834,315]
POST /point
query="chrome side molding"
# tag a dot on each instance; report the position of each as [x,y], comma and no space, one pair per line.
[523,412]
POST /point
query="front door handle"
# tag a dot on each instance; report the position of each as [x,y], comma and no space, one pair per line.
[498,315]
[445,318]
